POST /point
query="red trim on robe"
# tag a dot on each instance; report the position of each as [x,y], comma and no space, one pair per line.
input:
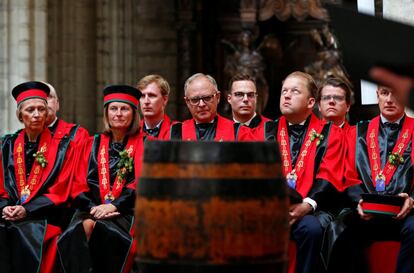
[351,175]
[224,130]
[63,129]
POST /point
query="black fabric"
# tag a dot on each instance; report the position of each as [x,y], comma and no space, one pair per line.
[106,251]
[152,132]
[387,137]
[296,134]
[30,148]
[53,128]
[206,131]
[401,180]
[87,200]
[39,205]
[176,131]
[255,122]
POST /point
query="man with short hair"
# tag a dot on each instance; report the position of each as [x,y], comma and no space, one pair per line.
[242,98]
[378,161]
[335,101]
[202,98]
[59,127]
[312,157]
[155,91]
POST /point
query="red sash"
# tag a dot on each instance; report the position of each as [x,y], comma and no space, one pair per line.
[107,192]
[27,188]
[224,130]
[374,152]
[307,151]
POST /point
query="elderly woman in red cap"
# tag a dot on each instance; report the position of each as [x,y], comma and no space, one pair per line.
[99,236]
[35,174]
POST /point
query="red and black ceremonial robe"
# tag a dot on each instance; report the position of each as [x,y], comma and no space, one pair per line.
[323,168]
[75,132]
[111,240]
[34,238]
[358,170]
[164,131]
[221,129]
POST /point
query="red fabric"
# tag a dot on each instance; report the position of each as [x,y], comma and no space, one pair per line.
[49,251]
[292,257]
[382,256]
[351,175]
[247,134]
[224,130]
[3,192]
[121,97]
[304,182]
[164,129]
[80,184]
[31,93]
[332,166]
[57,192]
[381,207]
[63,129]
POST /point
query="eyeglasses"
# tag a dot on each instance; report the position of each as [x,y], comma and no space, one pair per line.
[241,95]
[337,98]
[196,100]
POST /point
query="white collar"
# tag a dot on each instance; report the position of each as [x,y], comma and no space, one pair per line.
[384,120]
[156,126]
[247,123]
[53,123]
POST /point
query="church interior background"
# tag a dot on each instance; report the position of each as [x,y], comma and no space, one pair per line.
[79,46]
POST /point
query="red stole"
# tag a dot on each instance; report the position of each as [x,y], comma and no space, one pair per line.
[306,157]
[107,193]
[224,130]
[29,187]
[374,153]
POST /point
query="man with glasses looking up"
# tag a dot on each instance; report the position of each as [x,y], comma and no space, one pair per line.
[242,98]
[202,98]
[335,101]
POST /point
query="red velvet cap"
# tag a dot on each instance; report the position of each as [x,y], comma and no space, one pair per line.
[30,90]
[122,93]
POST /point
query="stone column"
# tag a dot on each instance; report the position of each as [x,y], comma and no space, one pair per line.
[72,59]
[22,52]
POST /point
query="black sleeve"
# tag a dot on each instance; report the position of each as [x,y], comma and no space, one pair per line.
[39,205]
[83,202]
[325,195]
[126,201]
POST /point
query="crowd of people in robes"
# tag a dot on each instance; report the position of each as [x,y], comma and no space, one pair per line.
[67,198]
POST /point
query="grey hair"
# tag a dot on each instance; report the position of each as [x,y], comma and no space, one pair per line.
[20,106]
[197,75]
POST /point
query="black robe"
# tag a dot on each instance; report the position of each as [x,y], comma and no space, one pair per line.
[22,247]
[111,239]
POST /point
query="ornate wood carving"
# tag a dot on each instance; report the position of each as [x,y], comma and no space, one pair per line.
[298,9]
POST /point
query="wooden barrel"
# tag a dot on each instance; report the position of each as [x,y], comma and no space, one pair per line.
[211,207]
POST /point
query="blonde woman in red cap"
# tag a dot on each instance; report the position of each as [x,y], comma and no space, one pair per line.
[34,183]
[99,236]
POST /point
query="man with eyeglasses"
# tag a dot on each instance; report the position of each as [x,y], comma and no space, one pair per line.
[335,101]
[59,127]
[242,98]
[379,161]
[202,98]
[155,90]
[311,152]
